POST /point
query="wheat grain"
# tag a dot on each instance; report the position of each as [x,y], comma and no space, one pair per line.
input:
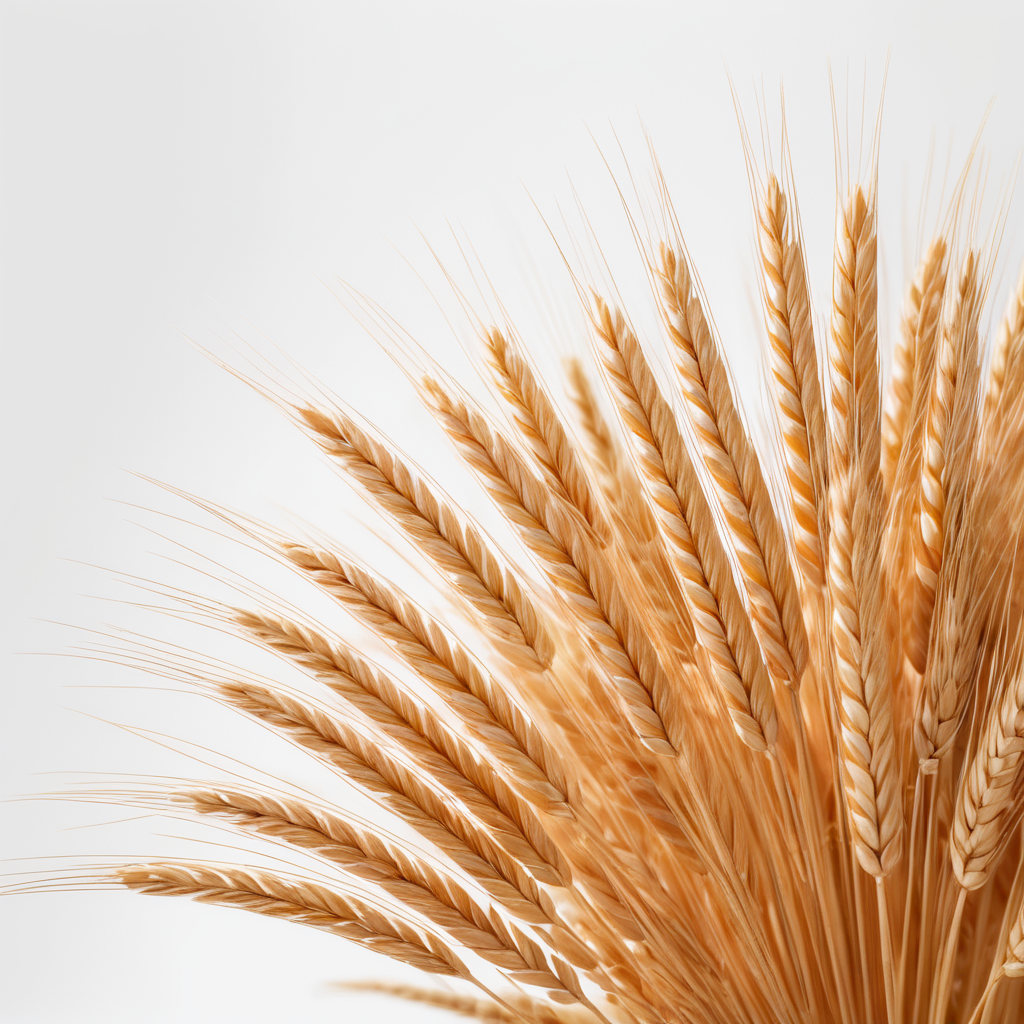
[1013,964]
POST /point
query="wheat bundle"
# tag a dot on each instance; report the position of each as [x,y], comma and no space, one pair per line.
[687,750]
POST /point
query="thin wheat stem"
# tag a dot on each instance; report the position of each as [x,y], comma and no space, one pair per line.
[927,897]
[980,1008]
[940,993]
[885,936]
[912,859]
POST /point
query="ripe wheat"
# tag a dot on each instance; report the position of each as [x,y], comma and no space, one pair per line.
[689,752]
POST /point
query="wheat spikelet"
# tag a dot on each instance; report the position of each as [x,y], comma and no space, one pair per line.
[1013,965]
[649,758]
[901,392]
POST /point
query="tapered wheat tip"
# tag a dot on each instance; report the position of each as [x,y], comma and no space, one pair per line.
[676,725]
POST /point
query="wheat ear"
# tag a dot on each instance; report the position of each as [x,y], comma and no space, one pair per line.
[538,422]
[443,902]
[862,627]
[955,655]
[794,377]
[428,648]
[355,748]
[351,844]
[739,486]
[292,899]
[406,739]
[988,800]
[452,715]
[1006,375]
[954,373]
[923,315]
[920,312]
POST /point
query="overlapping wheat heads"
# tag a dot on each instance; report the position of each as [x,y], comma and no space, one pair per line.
[713,735]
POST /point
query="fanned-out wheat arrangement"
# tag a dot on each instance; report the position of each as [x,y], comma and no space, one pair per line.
[713,737]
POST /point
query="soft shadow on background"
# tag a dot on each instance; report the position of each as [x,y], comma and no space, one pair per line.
[200,170]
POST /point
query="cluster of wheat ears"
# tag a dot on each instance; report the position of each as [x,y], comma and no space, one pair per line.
[714,738]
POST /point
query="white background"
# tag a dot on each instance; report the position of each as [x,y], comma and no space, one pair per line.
[199,169]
